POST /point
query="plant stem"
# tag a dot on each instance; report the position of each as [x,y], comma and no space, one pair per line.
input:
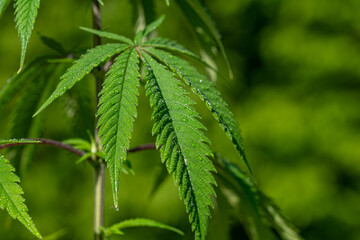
[46,141]
[99,200]
[100,168]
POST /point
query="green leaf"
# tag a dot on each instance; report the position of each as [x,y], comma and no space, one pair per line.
[148,29]
[137,222]
[3,6]
[91,59]
[144,12]
[207,91]
[56,235]
[108,35]
[172,46]
[154,25]
[80,109]
[23,125]
[25,15]
[15,141]
[159,180]
[260,216]
[16,83]
[83,158]
[10,196]
[184,145]
[117,111]
[277,220]
[22,113]
[167,2]
[79,143]
[52,44]
[204,27]
[242,195]
[169,45]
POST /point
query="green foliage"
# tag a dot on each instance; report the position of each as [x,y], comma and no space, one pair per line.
[184,146]
[169,45]
[142,34]
[82,67]
[15,83]
[137,222]
[108,35]
[117,111]
[3,5]
[10,196]
[204,27]
[260,215]
[52,44]
[179,134]
[207,91]
[38,88]
[25,15]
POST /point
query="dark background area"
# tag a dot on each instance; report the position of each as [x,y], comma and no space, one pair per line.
[295,94]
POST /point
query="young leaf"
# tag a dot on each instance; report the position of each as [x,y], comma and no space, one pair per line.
[184,145]
[144,13]
[137,222]
[148,29]
[3,5]
[91,59]
[10,196]
[117,111]
[153,26]
[79,143]
[207,91]
[108,35]
[25,15]
[204,27]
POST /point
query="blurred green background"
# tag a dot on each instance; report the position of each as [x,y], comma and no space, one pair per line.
[295,93]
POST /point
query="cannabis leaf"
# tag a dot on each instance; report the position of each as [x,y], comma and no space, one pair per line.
[38,86]
[108,35]
[169,45]
[184,145]
[3,6]
[257,212]
[91,59]
[15,83]
[10,196]
[25,15]
[204,28]
[141,35]
[117,110]
[137,222]
[207,91]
